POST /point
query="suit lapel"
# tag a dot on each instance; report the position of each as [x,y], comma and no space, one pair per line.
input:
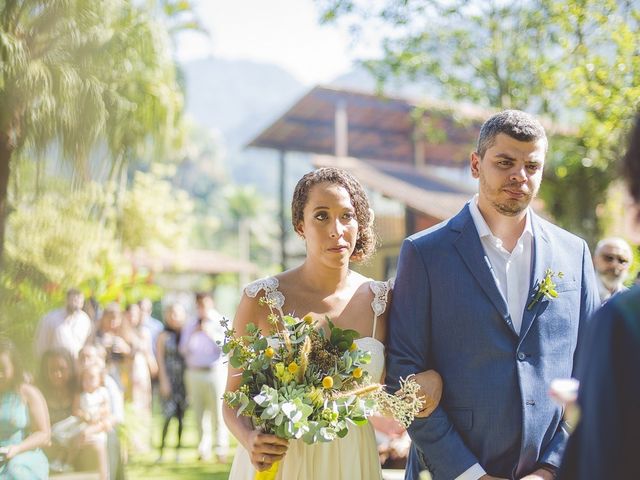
[542,259]
[470,248]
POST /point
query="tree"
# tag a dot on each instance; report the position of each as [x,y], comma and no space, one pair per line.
[576,62]
[77,73]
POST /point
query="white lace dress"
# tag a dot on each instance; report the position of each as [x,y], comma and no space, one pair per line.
[354,457]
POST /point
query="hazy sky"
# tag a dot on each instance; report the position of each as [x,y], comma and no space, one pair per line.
[281,32]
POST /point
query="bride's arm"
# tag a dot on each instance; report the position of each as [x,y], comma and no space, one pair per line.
[263,449]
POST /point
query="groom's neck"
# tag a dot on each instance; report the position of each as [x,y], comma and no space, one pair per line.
[506,227]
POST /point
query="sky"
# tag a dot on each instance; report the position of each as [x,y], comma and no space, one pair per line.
[286,33]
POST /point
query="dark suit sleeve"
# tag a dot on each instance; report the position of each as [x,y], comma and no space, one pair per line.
[589,302]
[439,445]
[605,443]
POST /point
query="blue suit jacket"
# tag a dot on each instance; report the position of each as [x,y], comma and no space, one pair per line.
[448,314]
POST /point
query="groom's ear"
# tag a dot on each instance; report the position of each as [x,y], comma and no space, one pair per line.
[475,164]
[299,229]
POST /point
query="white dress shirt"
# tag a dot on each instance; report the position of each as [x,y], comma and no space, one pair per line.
[512,274]
[61,329]
[511,270]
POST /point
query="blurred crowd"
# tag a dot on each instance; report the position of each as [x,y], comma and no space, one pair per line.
[99,371]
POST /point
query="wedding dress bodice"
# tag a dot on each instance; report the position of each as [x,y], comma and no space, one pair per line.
[368,343]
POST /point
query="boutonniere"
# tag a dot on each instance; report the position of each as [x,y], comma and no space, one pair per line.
[545,287]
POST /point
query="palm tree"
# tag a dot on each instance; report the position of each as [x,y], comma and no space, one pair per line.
[80,72]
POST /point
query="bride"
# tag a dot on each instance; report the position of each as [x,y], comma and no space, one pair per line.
[330,212]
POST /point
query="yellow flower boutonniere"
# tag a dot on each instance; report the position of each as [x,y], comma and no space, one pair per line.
[545,287]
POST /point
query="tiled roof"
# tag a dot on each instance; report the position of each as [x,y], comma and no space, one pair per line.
[190,261]
[418,189]
[380,128]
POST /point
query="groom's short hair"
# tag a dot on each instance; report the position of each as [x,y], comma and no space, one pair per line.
[515,123]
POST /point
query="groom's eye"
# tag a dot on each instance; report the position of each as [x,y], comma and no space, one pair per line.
[321,216]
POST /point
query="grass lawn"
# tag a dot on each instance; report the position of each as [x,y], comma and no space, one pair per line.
[144,467]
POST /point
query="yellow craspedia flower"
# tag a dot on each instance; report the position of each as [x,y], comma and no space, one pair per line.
[307,319]
[269,352]
[327,382]
[293,367]
[357,372]
[353,346]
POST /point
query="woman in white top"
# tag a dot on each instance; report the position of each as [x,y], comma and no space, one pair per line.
[330,211]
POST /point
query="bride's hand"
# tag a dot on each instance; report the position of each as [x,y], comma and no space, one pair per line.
[430,383]
[265,449]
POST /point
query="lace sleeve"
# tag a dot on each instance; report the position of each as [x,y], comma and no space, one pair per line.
[271,292]
[380,296]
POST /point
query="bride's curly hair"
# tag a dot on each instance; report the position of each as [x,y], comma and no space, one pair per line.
[366,241]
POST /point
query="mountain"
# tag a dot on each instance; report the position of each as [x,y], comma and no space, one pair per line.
[239,99]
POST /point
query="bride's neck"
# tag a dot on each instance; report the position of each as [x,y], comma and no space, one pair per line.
[322,278]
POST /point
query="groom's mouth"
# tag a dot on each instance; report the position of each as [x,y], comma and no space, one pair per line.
[517,194]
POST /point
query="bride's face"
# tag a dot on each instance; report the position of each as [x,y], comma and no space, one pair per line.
[329,225]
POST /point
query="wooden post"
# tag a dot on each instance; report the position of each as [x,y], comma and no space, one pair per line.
[283,206]
[341,133]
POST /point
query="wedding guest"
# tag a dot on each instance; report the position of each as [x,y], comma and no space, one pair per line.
[204,376]
[58,382]
[330,212]
[612,259]
[469,299]
[24,421]
[67,328]
[605,441]
[90,420]
[153,325]
[141,367]
[95,354]
[110,335]
[171,368]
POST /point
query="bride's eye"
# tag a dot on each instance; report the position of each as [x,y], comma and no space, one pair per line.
[349,216]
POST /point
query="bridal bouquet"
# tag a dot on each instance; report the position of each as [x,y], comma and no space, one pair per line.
[300,383]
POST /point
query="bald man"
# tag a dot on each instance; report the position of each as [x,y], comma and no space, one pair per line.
[612,259]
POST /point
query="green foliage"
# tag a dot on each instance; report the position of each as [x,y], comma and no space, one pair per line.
[155,215]
[58,239]
[573,61]
[81,74]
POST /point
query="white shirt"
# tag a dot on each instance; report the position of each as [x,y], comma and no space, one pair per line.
[511,270]
[512,274]
[59,329]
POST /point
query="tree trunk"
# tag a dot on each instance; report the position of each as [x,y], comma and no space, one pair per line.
[5,157]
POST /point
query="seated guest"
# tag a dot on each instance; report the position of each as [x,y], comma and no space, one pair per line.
[90,421]
[96,354]
[24,422]
[57,381]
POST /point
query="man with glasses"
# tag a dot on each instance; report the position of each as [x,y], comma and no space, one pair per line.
[612,259]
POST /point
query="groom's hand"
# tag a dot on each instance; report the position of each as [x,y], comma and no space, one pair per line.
[430,383]
[489,477]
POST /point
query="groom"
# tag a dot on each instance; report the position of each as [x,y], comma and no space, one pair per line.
[465,304]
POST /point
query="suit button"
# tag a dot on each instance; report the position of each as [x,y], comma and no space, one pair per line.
[521,356]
